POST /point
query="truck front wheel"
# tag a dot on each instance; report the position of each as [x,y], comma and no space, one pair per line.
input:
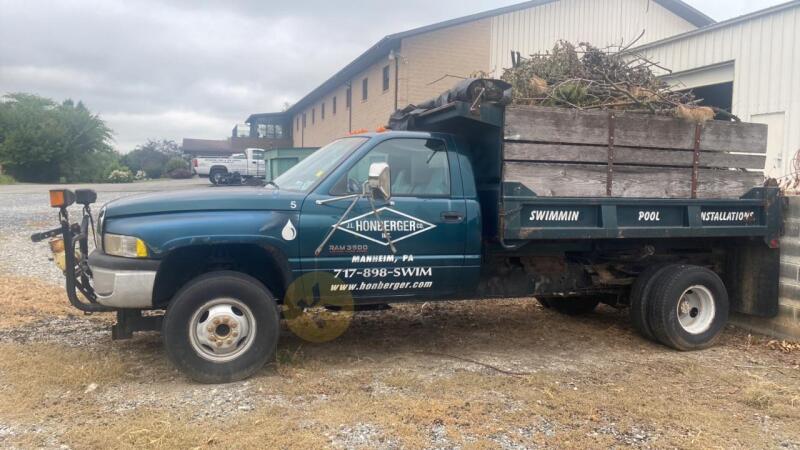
[221,327]
[688,308]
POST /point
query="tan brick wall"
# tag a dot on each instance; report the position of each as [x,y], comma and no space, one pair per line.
[369,114]
[459,50]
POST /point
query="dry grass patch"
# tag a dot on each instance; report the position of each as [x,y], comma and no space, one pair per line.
[41,375]
[25,300]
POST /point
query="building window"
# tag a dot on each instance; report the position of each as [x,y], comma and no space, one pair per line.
[349,97]
[322,111]
[304,120]
[386,78]
[313,116]
[365,89]
[334,105]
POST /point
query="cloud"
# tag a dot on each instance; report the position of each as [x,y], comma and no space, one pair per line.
[195,68]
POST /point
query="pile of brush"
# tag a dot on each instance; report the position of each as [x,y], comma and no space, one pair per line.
[588,78]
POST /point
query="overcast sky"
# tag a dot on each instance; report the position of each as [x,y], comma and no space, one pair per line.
[195,68]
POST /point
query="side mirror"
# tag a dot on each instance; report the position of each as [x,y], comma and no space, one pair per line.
[85,197]
[380,180]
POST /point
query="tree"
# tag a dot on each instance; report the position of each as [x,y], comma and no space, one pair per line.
[152,156]
[43,141]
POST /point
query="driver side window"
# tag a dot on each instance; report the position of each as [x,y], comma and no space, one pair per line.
[419,168]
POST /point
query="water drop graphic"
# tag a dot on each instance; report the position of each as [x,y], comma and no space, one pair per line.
[289,232]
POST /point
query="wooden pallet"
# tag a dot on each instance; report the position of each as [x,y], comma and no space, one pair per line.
[570,153]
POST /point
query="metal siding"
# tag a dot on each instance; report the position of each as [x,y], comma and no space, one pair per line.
[766,52]
[601,22]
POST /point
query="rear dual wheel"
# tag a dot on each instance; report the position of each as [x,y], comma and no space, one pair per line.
[681,306]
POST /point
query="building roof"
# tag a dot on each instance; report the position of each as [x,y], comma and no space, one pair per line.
[392,41]
[723,24]
[254,117]
[206,146]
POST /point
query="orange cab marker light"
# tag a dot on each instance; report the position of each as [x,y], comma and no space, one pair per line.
[61,198]
[361,131]
[381,130]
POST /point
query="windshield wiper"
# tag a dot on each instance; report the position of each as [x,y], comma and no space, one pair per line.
[272,183]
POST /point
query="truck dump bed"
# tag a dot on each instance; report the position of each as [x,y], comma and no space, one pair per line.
[547,173]
[569,153]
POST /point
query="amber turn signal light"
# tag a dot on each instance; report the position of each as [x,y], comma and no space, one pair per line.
[61,198]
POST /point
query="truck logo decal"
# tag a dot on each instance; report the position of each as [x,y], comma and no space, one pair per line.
[554,216]
[402,226]
[649,216]
[289,233]
[728,216]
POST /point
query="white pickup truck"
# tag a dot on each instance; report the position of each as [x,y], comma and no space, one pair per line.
[236,169]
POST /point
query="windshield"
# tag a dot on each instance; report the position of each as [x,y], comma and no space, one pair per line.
[305,175]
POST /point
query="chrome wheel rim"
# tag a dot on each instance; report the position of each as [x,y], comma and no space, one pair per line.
[696,309]
[222,330]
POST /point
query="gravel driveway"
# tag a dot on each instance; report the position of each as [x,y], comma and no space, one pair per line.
[25,210]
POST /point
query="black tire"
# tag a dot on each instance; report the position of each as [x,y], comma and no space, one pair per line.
[215,176]
[701,326]
[577,306]
[182,347]
[640,293]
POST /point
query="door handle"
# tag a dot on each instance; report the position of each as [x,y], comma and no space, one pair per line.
[452,217]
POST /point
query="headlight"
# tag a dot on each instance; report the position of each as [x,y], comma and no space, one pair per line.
[127,246]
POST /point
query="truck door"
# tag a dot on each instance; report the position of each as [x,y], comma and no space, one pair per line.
[256,165]
[425,221]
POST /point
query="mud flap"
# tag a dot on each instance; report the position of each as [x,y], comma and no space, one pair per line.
[753,272]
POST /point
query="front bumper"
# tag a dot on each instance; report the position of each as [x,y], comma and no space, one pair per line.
[123,282]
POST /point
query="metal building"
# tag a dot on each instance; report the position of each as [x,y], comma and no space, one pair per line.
[750,64]
[418,64]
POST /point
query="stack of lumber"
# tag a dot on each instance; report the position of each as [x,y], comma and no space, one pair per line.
[560,152]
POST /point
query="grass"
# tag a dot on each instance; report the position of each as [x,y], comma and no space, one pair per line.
[588,383]
[32,300]
[7,179]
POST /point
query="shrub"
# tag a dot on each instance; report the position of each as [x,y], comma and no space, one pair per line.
[177,168]
[120,176]
[152,157]
[180,173]
[45,141]
[174,164]
[7,179]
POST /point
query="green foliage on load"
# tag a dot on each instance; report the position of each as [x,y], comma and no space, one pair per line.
[586,77]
